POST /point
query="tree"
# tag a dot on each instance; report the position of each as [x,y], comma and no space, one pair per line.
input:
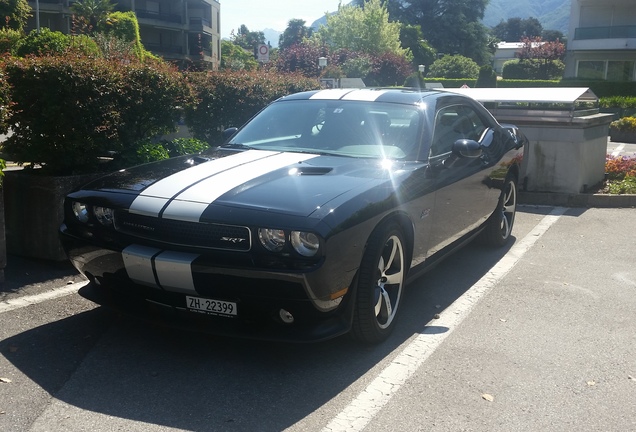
[90,14]
[455,66]
[233,57]
[487,77]
[411,38]
[295,33]
[124,26]
[516,28]
[552,35]
[15,13]
[302,58]
[366,29]
[246,39]
[450,26]
[536,60]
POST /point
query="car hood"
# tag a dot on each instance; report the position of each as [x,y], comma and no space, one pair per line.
[284,182]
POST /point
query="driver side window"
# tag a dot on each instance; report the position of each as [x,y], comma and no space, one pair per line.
[453,123]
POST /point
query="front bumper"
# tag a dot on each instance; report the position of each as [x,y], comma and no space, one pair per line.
[259,295]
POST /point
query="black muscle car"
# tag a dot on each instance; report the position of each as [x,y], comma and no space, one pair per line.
[305,224]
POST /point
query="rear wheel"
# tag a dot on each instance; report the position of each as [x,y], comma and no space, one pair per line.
[499,225]
[380,285]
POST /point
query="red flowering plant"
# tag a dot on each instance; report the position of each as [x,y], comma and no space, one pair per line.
[621,174]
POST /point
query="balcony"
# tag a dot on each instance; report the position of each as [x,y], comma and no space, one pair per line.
[164,49]
[146,14]
[612,32]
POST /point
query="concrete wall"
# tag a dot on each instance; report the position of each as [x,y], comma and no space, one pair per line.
[568,157]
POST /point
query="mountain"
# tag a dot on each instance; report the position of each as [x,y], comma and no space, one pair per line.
[272,36]
[552,14]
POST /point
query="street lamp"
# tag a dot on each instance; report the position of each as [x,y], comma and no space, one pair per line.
[421,68]
[322,62]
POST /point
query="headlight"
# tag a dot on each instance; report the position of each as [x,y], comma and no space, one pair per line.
[272,239]
[104,215]
[80,211]
[305,243]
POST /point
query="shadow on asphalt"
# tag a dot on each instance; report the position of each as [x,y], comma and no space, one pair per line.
[22,272]
[144,372]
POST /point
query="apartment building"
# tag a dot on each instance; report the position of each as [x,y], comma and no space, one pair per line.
[182,31]
[602,40]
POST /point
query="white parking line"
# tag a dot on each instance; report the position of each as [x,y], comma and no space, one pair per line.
[21,302]
[357,415]
[618,150]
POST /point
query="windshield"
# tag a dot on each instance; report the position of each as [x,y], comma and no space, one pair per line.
[347,128]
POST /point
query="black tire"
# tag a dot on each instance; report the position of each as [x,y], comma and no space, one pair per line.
[499,226]
[380,285]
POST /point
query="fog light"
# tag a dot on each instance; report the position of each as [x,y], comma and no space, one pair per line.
[286,316]
[104,215]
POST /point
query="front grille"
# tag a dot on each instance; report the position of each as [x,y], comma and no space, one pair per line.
[197,234]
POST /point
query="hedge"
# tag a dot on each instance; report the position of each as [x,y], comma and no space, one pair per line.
[67,110]
[230,98]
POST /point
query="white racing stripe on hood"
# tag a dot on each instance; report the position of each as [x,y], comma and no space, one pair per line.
[152,199]
[190,204]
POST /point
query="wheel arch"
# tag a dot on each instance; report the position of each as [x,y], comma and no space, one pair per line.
[405,223]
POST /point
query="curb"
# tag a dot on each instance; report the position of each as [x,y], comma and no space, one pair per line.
[577,200]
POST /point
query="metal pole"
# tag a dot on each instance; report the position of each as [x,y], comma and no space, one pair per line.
[37,15]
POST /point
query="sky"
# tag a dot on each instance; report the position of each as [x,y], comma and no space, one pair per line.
[258,15]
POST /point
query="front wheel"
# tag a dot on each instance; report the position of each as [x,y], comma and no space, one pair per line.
[380,285]
[499,226]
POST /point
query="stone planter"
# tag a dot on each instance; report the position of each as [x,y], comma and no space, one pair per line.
[622,136]
[33,212]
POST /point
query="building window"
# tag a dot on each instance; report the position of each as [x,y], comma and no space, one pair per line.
[620,70]
[591,69]
[611,70]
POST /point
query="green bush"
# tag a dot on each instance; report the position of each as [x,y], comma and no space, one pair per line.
[9,39]
[525,83]
[487,77]
[184,146]
[625,124]
[48,42]
[532,69]
[69,109]
[230,98]
[624,102]
[142,152]
[415,80]
[455,66]
[124,26]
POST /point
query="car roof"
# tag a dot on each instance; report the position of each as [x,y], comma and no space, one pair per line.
[408,96]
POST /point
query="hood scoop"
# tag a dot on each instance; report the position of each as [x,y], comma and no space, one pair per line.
[311,171]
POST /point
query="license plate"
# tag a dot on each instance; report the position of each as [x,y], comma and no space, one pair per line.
[211,307]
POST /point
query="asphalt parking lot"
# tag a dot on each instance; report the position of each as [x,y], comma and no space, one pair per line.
[538,336]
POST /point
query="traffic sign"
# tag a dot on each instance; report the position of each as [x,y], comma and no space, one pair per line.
[263,53]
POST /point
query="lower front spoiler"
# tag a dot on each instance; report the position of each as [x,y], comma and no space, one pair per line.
[259,327]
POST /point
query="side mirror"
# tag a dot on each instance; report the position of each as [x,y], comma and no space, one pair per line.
[228,133]
[467,148]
